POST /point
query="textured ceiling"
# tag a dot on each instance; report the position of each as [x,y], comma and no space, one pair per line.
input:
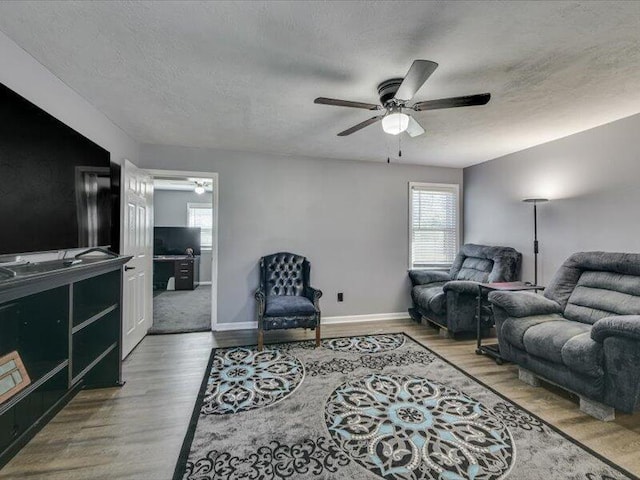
[243,76]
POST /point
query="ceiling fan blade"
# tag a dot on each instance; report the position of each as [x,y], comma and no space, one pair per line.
[466,101]
[346,103]
[416,76]
[359,126]
[414,129]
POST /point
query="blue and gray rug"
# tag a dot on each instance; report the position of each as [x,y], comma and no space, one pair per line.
[379,406]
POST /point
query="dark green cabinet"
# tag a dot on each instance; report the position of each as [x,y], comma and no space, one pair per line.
[66,327]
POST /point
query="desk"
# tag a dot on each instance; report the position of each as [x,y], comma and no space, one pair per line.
[185,270]
[493,350]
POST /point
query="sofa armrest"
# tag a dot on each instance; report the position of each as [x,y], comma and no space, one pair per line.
[462,286]
[424,277]
[523,304]
[627,326]
[314,295]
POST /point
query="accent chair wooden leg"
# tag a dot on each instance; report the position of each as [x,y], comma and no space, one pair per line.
[260,339]
[317,336]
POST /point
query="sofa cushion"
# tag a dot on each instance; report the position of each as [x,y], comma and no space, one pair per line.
[513,330]
[604,270]
[547,339]
[422,294]
[475,269]
[557,340]
[438,303]
[603,294]
[582,354]
[482,263]
[288,305]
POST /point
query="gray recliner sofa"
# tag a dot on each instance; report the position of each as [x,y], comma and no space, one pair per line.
[449,299]
[583,334]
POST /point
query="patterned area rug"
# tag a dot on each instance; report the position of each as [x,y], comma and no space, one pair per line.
[364,408]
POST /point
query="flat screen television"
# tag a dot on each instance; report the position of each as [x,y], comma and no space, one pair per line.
[176,240]
[55,184]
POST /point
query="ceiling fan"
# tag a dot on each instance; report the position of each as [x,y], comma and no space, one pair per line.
[395,94]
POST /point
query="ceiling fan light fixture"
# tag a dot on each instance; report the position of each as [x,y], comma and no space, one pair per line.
[199,188]
[395,123]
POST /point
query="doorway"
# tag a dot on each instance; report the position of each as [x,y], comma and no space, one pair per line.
[184,251]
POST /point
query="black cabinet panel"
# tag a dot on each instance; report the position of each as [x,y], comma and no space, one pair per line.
[17,420]
[6,429]
[37,327]
[93,295]
[71,332]
[92,341]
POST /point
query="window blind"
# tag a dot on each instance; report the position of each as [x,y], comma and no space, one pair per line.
[199,215]
[434,225]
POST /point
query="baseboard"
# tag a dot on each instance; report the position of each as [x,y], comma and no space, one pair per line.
[204,283]
[223,327]
[370,317]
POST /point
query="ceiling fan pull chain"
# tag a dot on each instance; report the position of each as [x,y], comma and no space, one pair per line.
[399,146]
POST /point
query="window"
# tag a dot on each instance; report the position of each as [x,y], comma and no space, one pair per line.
[433,224]
[200,215]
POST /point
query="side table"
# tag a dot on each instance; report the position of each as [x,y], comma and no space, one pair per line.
[493,350]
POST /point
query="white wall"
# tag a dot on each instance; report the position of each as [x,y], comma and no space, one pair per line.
[593,181]
[349,218]
[26,76]
[170,210]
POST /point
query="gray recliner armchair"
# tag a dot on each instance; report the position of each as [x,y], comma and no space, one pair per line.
[583,334]
[285,297]
[449,299]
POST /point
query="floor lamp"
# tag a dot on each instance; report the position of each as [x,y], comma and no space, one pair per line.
[535,202]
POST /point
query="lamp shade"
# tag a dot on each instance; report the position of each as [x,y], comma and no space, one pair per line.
[395,123]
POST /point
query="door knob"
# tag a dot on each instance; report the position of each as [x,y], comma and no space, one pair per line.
[128,268]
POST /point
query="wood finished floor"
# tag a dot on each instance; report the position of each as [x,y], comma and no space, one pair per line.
[135,432]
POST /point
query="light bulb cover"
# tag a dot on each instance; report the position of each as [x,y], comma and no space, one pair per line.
[199,189]
[395,123]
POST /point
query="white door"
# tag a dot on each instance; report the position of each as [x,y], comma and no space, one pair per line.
[137,237]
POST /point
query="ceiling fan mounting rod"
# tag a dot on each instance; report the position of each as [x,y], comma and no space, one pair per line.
[387,90]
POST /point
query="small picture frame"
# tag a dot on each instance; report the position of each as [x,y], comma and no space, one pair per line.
[13,376]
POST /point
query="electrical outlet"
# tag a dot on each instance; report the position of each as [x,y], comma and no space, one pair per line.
[340,296]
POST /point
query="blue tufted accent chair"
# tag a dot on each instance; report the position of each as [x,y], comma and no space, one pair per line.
[285,298]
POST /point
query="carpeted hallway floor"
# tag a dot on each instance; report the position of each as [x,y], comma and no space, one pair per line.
[182,311]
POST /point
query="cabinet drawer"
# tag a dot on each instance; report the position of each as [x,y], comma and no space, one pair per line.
[184,282]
